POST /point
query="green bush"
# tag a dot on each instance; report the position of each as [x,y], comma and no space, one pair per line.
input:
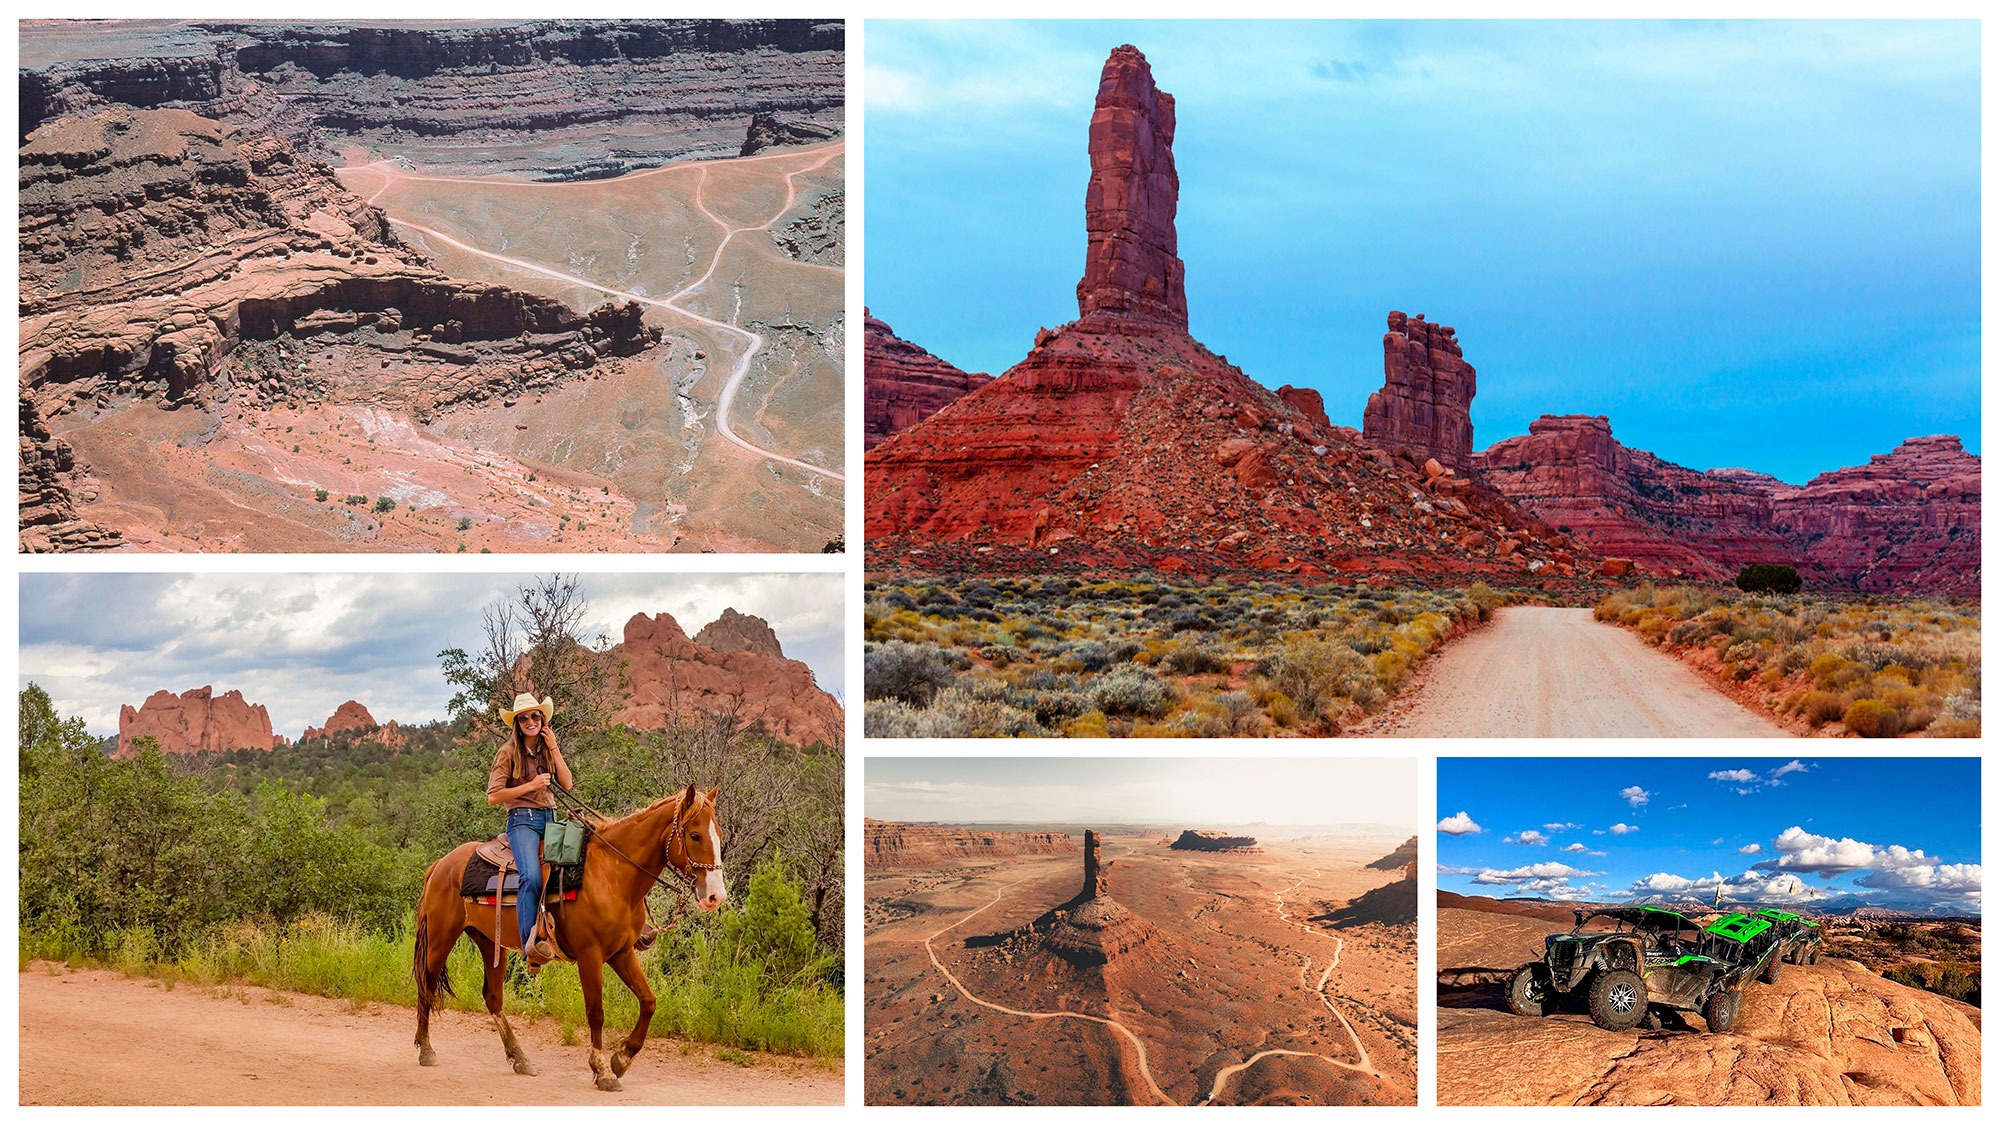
[1772,578]
[913,673]
[385,504]
[1131,691]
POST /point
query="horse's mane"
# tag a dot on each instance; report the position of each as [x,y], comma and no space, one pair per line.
[671,797]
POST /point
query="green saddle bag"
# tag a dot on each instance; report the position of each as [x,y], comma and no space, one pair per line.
[562,842]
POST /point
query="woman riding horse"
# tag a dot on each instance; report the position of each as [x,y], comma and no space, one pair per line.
[522,769]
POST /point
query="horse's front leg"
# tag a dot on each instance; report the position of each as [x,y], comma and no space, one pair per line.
[626,964]
[590,971]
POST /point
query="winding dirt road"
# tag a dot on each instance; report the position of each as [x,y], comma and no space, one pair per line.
[1539,672]
[393,173]
[90,1037]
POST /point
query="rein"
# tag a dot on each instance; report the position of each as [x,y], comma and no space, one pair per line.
[679,890]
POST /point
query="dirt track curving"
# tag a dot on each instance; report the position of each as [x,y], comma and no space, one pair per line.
[1538,672]
[90,1037]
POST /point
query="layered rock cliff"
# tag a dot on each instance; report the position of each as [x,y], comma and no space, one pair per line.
[889,843]
[1905,523]
[672,679]
[193,721]
[904,384]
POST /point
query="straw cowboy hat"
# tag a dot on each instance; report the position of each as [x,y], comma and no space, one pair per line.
[526,702]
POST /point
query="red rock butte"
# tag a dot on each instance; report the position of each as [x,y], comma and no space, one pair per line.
[673,678]
[1425,404]
[195,721]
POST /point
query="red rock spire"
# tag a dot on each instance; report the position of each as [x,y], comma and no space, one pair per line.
[1132,269]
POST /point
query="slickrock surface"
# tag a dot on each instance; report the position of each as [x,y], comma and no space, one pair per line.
[890,843]
[195,720]
[1201,840]
[906,384]
[1425,404]
[673,677]
[1826,1034]
[1905,523]
[1121,441]
[1132,269]
[557,99]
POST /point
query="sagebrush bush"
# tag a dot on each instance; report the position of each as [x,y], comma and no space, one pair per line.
[1872,718]
[910,672]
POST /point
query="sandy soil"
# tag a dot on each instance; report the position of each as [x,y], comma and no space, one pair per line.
[1227,1003]
[90,1037]
[1538,672]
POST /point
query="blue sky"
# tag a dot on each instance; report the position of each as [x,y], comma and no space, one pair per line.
[1820,832]
[301,644]
[1182,792]
[1751,244]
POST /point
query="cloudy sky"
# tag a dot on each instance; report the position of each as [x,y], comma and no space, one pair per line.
[300,644]
[1822,832]
[1750,244]
[1191,792]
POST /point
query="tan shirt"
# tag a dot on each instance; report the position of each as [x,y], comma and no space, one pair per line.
[533,765]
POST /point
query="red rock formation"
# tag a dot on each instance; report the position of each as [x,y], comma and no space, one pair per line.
[1121,441]
[889,843]
[1425,404]
[51,480]
[1670,521]
[740,632]
[1132,270]
[1905,523]
[349,716]
[1404,856]
[906,384]
[673,678]
[1197,840]
[195,721]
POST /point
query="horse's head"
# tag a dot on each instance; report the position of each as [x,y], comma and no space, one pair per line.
[696,847]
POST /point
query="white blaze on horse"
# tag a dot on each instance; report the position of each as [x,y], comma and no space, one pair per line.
[599,928]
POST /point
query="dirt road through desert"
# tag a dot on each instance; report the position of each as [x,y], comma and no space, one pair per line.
[90,1037]
[1541,672]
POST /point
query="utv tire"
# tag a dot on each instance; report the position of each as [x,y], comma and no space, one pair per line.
[1528,991]
[1813,957]
[1770,973]
[1617,1000]
[1721,1011]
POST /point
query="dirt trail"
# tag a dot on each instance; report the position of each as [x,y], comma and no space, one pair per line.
[1538,672]
[90,1037]
[393,173]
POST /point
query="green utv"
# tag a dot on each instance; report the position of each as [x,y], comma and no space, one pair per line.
[1798,941]
[1650,958]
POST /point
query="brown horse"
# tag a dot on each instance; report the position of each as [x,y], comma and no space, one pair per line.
[625,861]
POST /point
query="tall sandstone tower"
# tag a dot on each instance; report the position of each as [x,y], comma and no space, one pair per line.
[1133,269]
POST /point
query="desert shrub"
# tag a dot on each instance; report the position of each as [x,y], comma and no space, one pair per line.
[888,718]
[913,673]
[385,504]
[1130,690]
[1958,717]
[1318,675]
[1775,578]
[1053,707]
[1192,658]
[961,713]
[1831,670]
[1090,724]
[320,494]
[1872,718]
[1002,655]
[1817,708]
[1090,656]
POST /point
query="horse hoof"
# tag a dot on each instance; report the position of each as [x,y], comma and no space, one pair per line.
[523,1066]
[427,1058]
[620,1063]
[609,1084]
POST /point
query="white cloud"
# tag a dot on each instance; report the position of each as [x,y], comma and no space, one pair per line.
[1527,836]
[1793,766]
[1804,851]
[1561,827]
[1459,825]
[1750,849]
[1622,829]
[1732,775]
[1635,796]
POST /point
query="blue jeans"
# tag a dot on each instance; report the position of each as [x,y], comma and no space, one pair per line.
[524,836]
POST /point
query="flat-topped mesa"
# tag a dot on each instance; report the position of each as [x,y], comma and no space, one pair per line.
[1425,404]
[1198,840]
[1132,270]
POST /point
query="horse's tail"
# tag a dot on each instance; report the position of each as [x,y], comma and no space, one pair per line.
[427,989]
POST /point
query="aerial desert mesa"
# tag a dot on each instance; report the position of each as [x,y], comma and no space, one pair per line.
[547,285]
[1050,965]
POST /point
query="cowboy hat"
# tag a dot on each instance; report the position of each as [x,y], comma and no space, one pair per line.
[525,702]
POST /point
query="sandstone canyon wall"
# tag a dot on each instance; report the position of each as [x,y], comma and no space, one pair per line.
[889,843]
[195,721]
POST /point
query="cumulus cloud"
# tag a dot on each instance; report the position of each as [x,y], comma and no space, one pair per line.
[1732,775]
[1581,850]
[1635,796]
[1459,825]
[1750,849]
[1561,827]
[1793,766]
[1800,850]
[1622,829]
[1526,836]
